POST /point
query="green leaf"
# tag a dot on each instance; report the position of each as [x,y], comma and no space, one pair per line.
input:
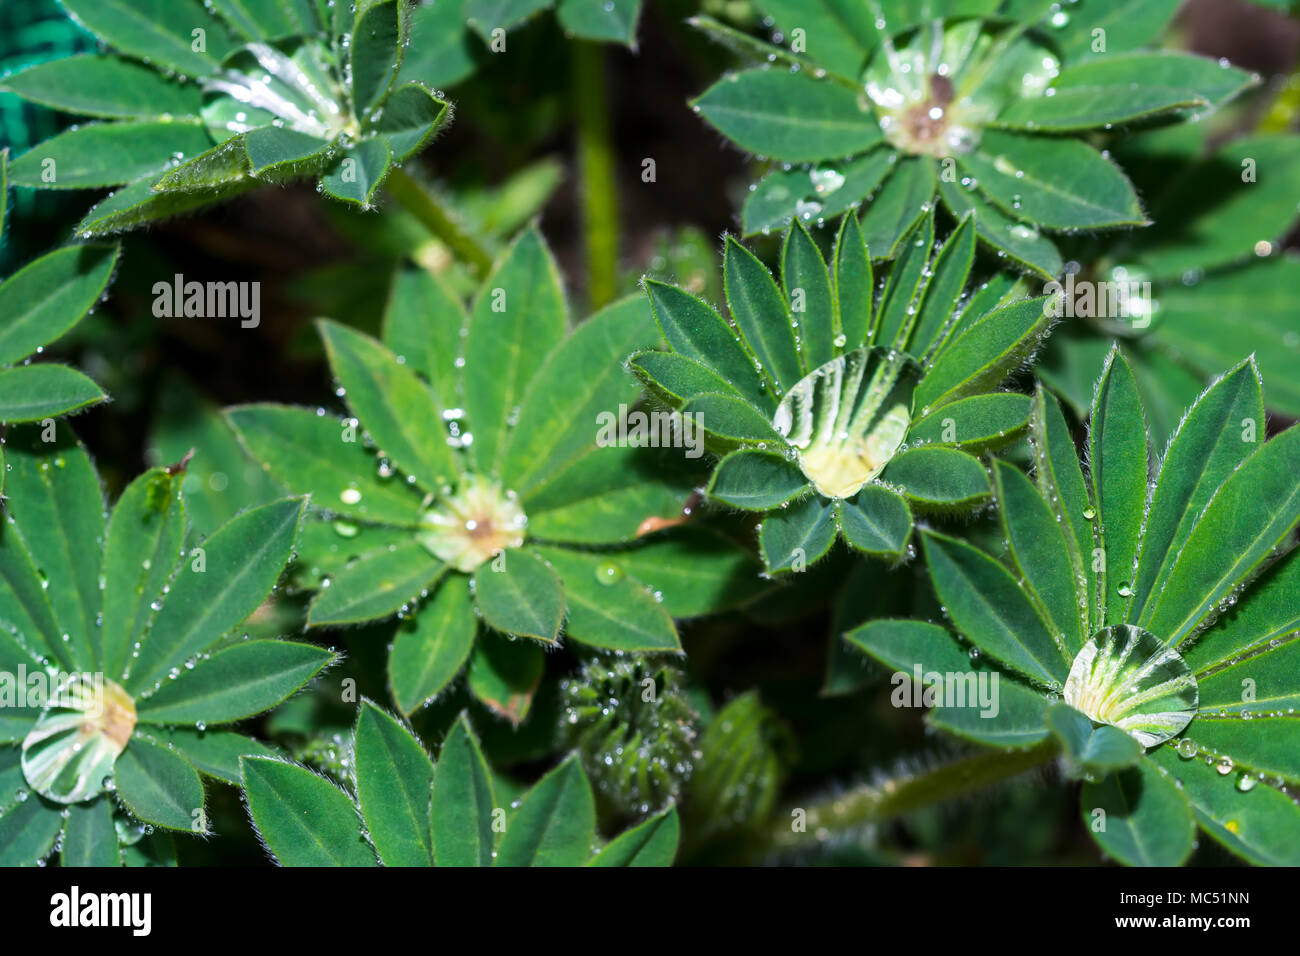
[1117,444]
[31,393]
[984,354]
[504,675]
[555,824]
[376,586]
[1269,676]
[137,203]
[103,86]
[939,477]
[520,316]
[28,830]
[240,565]
[394,776]
[89,837]
[54,502]
[484,16]
[1147,819]
[159,786]
[274,152]
[1020,242]
[422,326]
[807,194]
[876,521]
[107,154]
[620,615]
[694,570]
[1038,547]
[259,19]
[461,814]
[242,680]
[157,31]
[1268,611]
[898,206]
[359,172]
[1060,482]
[730,419]
[675,378]
[1269,745]
[612,20]
[789,116]
[756,480]
[376,51]
[840,35]
[412,118]
[807,283]
[439,54]
[216,753]
[1091,750]
[1253,512]
[694,330]
[906,283]
[762,315]
[523,597]
[302,818]
[793,538]
[141,550]
[1261,824]
[323,456]
[579,382]
[950,270]
[1023,176]
[1129,24]
[854,286]
[430,647]
[975,424]
[394,406]
[652,843]
[985,603]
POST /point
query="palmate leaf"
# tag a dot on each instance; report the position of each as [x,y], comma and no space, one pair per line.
[938,90]
[788,425]
[209,100]
[1210,729]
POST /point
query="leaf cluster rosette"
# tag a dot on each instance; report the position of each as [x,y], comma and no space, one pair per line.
[135,639]
[39,303]
[983,105]
[841,402]
[402,809]
[198,102]
[468,499]
[1145,619]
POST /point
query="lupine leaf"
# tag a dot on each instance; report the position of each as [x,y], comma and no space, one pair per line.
[430,648]
[31,393]
[524,597]
[463,803]
[89,837]
[875,521]
[652,843]
[159,786]
[302,818]
[157,31]
[394,776]
[555,824]
[1148,821]
[938,477]
[756,480]
[103,86]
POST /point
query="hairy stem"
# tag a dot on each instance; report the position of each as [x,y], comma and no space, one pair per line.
[422,203]
[598,193]
[878,802]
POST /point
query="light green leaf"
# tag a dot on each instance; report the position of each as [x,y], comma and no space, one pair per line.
[376,586]
[461,814]
[323,456]
[302,818]
[652,843]
[555,824]
[89,837]
[240,565]
[158,31]
[238,682]
[103,86]
[933,477]
[520,316]
[694,570]
[524,597]
[1020,242]
[793,538]
[876,521]
[612,20]
[762,315]
[1148,821]
[412,118]
[789,116]
[376,50]
[394,776]
[159,786]
[898,206]
[430,647]
[31,393]
[1091,750]
[807,286]
[756,480]
[216,753]
[359,172]
[144,541]
[422,325]
[107,154]
[975,424]
[619,615]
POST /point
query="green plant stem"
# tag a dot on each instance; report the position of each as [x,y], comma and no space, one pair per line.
[598,193]
[421,202]
[878,802]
